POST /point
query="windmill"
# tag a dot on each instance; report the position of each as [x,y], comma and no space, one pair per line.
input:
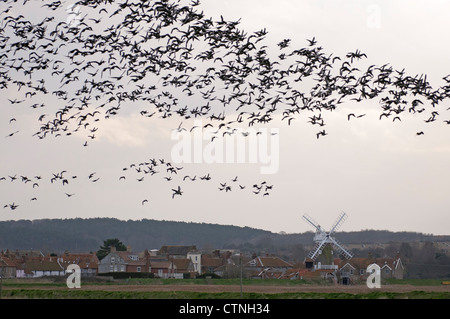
[322,238]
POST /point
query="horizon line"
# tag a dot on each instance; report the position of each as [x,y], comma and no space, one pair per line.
[192,222]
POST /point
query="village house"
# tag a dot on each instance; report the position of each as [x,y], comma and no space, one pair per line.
[8,267]
[124,261]
[219,262]
[355,269]
[184,266]
[178,268]
[176,261]
[196,259]
[163,269]
[36,267]
[88,262]
[210,264]
[32,264]
[14,263]
[300,273]
[267,267]
[172,263]
[352,270]
[176,251]
[188,262]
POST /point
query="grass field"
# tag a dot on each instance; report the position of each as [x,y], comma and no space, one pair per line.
[83,294]
[219,289]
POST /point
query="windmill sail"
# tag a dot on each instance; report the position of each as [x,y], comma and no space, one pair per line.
[312,222]
[321,238]
[317,249]
[339,221]
[346,253]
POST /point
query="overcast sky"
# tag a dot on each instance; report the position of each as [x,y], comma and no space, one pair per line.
[379,172]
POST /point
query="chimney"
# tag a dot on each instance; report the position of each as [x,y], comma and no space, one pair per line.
[113,249]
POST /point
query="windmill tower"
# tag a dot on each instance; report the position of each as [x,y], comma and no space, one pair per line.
[323,238]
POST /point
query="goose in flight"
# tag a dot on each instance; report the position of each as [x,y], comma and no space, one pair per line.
[323,133]
[12,206]
[177,192]
[11,134]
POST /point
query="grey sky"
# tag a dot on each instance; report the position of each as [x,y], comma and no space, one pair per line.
[379,172]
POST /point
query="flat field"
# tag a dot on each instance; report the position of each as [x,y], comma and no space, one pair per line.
[220,289]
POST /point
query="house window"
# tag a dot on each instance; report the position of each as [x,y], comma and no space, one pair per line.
[138,269]
[113,260]
[387,271]
[361,271]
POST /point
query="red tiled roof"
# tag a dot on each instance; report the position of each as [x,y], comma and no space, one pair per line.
[43,265]
[212,261]
[269,262]
[125,255]
[301,273]
[7,262]
[181,263]
[160,264]
[82,260]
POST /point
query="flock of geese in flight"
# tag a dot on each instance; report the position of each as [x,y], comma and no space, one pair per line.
[139,172]
[163,59]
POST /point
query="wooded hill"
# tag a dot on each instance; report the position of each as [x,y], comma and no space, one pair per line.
[85,235]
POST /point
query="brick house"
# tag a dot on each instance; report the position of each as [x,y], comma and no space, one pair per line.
[162,268]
